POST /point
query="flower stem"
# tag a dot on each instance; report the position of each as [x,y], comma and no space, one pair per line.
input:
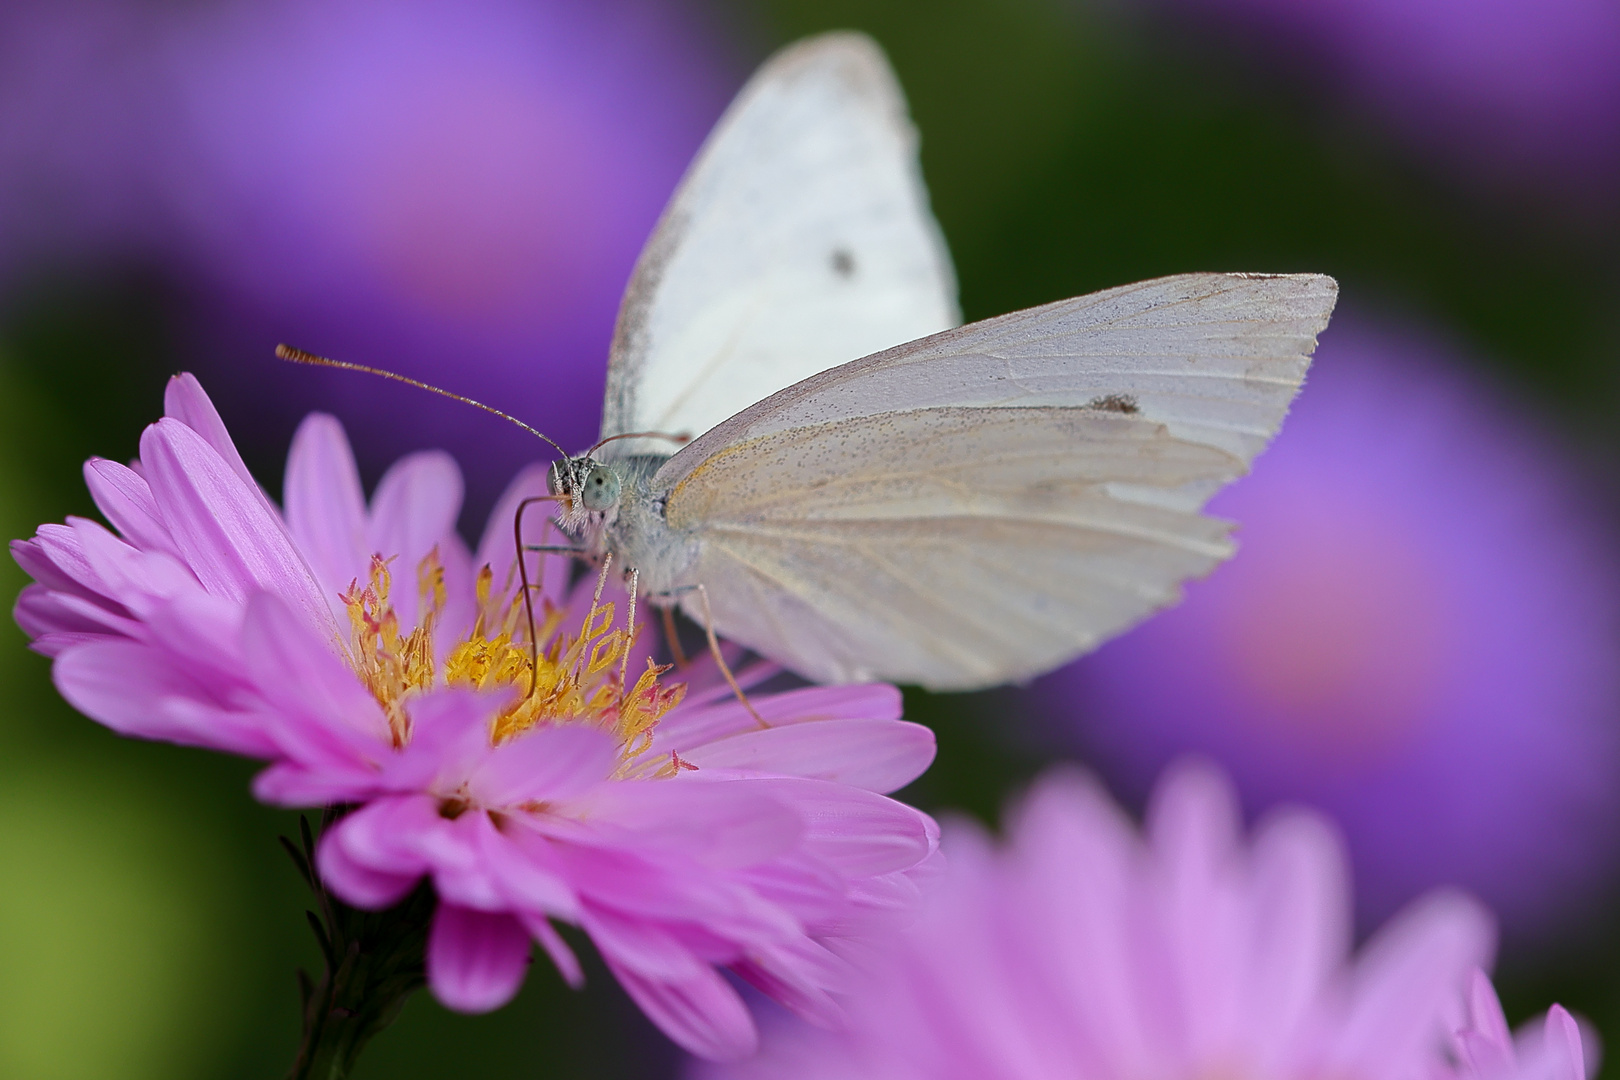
[372,961]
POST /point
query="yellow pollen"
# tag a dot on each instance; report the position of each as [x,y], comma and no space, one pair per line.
[579,677]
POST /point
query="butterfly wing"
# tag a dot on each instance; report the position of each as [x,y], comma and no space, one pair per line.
[799,239]
[982,505]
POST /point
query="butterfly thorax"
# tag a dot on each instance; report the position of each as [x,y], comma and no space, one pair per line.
[640,538]
[613,507]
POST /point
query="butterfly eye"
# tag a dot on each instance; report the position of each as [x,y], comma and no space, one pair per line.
[600,490]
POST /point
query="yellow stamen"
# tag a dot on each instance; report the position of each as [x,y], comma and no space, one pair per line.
[576,678]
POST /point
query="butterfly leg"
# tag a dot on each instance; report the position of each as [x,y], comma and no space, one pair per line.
[630,632]
[523,573]
[725,669]
[673,639]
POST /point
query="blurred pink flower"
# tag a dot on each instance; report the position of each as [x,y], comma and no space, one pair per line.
[1484,1048]
[1083,949]
[678,834]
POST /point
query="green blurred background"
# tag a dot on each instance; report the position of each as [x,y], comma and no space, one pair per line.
[148,922]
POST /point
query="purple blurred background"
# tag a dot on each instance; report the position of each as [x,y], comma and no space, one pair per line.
[1504,95]
[452,191]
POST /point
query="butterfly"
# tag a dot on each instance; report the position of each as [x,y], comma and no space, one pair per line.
[874,491]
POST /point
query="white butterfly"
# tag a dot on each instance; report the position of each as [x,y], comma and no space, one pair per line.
[975,506]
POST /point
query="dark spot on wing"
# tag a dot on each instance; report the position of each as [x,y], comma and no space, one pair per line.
[843,262]
[1120,403]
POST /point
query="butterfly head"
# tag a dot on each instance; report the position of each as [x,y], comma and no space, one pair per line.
[587,489]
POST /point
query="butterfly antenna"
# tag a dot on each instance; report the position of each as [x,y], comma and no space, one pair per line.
[680,439]
[299,356]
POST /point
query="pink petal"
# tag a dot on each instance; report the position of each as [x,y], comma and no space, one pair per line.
[728,823]
[499,542]
[413,511]
[1485,1012]
[1563,1045]
[295,784]
[706,686]
[543,765]
[300,675]
[38,613]
[185,401]
[326,508]
[702,1014]
[449,737]
[813,892]
[56,643]
[139,580]
[1484,1058]
[796,973]
[880,904]
[1077,855]
[233,543]
[669,892]
[641,945]
[455,618]
[468,859]
[476,960]
[356,882]
[523,873]
[1406,980]
[126,502]
[137,690]
[878,755]
[692,726]
[857,832]
[561,955]
[55,559]
[415,505]
[202,632]
[1300,922]
[1194,829]
[386,836]
[1193,824]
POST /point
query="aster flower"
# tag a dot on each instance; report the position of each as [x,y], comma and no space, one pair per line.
[1484,1049]
[1084,949]
[376,662]
[1417,636]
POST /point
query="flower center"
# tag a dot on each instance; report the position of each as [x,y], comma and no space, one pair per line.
[579,677]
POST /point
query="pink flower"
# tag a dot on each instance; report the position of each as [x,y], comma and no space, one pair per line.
[1484,1048]
[374,660]
[1083,949]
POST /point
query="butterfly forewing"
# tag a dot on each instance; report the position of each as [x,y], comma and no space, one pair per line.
[1217,358]
[800,239]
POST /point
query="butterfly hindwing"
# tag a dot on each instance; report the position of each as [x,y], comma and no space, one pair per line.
[984,504]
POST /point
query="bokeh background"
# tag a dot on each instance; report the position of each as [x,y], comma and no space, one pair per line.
[1420,632]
